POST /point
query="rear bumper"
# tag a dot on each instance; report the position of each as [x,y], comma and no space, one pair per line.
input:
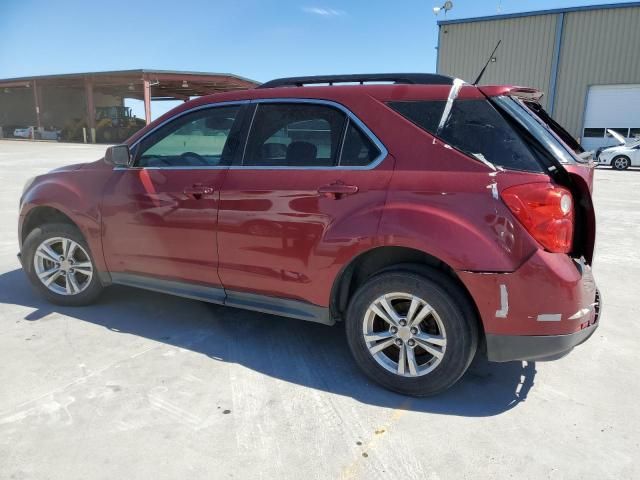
[539,312]
[550,294]
[506,348]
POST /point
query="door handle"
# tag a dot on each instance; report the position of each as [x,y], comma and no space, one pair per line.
[198,190]
[337,190]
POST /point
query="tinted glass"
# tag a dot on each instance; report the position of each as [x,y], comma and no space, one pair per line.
[517,110]
[294,135]
[358,149]
[476,128]
[197,139]
[555,127]
[424,114]
[634,132]
[594,133]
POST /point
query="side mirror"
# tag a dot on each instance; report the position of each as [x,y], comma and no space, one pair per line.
[118,155]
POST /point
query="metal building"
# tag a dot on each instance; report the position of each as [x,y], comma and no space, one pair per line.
[91,105]
[586,59]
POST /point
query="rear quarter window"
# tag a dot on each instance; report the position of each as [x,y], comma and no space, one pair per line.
[474,127]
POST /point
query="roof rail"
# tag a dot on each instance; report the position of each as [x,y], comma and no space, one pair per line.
[403,78]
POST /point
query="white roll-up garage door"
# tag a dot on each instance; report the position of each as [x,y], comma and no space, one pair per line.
[611,106]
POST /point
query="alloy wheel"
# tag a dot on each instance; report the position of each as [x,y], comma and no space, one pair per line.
[404,334]
[63,266]
[621,163]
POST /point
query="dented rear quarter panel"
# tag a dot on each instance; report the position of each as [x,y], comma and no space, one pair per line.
[448,205]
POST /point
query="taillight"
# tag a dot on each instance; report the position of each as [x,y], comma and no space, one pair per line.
[546,211]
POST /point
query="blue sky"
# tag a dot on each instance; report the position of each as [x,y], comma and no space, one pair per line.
[255,39]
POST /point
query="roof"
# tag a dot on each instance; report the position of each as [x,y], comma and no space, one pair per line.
[164,83]
[606,6]
[399,78]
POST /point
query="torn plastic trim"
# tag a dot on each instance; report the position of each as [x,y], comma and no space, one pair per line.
[583,312]
[504,302]
[446,113]
[493,184]
[483,159]
[453,94]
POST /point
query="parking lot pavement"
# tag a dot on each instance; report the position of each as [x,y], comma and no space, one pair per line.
[143,385]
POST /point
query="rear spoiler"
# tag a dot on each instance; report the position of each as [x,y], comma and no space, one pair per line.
[531,97]
[524,93]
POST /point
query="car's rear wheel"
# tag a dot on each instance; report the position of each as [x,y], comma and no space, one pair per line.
[411,332]
[621,162]
[58,262]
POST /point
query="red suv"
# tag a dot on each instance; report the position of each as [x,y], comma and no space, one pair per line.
[435,218]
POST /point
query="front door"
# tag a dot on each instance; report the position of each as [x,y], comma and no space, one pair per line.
[160,214]
[310,186]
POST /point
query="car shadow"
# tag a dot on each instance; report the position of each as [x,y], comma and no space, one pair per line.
[303,353]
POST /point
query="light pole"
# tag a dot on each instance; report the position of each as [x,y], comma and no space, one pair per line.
[446,7]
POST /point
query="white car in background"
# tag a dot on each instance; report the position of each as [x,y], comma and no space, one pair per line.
[622,156]
[23,132]
[37,133]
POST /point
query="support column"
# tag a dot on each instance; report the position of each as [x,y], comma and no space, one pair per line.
[147,99]
[555,63]
[36,101]
[91,109]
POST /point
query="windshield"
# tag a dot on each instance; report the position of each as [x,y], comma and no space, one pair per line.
[517,110]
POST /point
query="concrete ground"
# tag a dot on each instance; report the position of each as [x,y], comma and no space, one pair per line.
[144,385]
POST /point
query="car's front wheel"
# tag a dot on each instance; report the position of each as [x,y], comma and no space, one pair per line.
[58,262]
[621,162]
[413,333]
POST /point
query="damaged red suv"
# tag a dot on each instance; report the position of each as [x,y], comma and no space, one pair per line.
[435,218]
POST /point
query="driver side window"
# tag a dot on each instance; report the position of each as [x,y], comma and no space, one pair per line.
[200,139]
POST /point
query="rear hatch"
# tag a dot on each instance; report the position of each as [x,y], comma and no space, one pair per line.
[495,126]
[565,160]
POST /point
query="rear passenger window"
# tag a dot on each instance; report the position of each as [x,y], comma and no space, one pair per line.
[476,128]
[295,135]
[358,149]
[424,114]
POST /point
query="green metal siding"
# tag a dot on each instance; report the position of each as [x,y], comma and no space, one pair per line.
[524,57]
[598,47]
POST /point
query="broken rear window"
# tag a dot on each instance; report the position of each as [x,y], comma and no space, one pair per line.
[474,127]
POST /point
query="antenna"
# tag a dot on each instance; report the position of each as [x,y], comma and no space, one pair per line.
[491,59]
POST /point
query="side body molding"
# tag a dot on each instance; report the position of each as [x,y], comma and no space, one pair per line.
[248,301]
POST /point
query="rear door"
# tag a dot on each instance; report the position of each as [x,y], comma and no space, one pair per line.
[160,214]
[310,185]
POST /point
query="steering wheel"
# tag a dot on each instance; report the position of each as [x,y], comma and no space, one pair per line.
[193,157]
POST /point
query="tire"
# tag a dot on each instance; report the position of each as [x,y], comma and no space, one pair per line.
[76,281]
[452,324]
[621,162]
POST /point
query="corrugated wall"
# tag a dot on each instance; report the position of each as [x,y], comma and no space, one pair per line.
[524,57]
[599,47]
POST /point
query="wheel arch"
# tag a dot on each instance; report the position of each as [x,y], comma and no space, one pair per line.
[42,214]
[378,259]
